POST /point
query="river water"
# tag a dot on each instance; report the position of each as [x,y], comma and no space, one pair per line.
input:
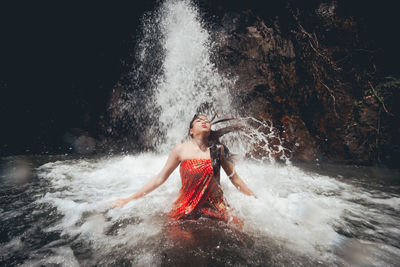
[55,210]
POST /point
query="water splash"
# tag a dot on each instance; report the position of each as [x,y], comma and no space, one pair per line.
[299,217]
[259,141]
[176,78]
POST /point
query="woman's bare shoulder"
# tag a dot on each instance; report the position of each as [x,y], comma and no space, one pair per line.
[185,144]
[180,150]
[180,147]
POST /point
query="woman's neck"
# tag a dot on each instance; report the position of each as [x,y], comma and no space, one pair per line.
[201,142]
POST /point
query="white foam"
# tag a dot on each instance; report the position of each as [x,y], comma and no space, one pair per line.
[61,256]
[293,207]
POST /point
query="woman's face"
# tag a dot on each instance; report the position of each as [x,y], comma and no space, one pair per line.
[200,125]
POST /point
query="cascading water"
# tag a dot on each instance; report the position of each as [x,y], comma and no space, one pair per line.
[185,83]
[299,218]
[190,80]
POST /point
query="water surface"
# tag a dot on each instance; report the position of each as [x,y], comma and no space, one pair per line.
[55,210]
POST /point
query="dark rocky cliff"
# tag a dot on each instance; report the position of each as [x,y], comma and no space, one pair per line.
[315,73]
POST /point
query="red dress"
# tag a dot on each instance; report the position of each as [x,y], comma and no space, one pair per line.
[201,193]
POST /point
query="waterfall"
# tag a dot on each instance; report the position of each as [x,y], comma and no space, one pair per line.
[190,80]
[175,78]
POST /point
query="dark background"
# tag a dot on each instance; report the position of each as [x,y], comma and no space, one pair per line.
[59,64]
[60,61]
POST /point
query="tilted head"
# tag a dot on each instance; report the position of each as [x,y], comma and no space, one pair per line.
[199,125]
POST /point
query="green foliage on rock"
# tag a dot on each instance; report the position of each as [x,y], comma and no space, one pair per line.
[388,86]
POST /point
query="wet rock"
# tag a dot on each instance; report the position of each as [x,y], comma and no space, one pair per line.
[298,139]
[306,81]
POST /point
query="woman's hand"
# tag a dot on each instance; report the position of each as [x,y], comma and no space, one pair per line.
[171,164]
[119,203]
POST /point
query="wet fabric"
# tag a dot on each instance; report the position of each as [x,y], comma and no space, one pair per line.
[201,193]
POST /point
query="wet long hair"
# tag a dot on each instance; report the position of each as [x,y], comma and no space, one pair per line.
[215,143]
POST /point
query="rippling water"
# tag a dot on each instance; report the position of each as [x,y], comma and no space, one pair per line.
[55,210]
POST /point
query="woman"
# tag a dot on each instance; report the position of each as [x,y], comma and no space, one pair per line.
[200,160]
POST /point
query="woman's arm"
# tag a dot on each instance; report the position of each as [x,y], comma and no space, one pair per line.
[233,176]
[171,164]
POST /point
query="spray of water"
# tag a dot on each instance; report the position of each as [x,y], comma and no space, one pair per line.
[187,82]
[190,80]
[296,213]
